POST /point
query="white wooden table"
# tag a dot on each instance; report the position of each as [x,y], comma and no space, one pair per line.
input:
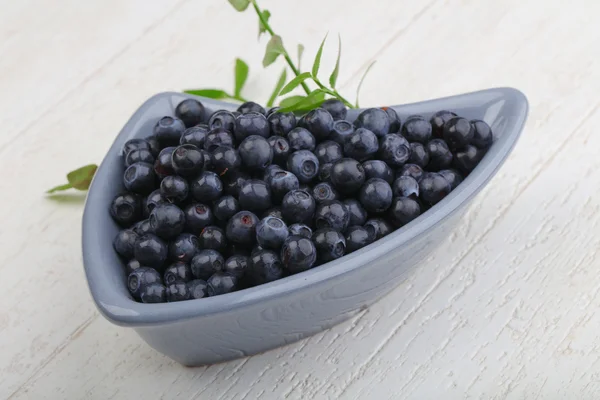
[505,309]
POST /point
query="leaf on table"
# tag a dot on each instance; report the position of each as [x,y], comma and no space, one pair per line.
[274,49]
[278,87]
[209,93]
[317,63]
[300,52]
[79,179]
[261,27]
[336,70]
[313,100]
[240,5]
[361,81]
[241,74]
[293,84]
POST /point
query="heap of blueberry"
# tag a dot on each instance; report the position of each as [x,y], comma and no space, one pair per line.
[215,202]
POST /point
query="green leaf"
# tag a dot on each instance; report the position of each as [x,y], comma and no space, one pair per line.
[79,179]
[300,52]
[313,100]
[362,79]
[261,27]
[293,84]
[289,101]
[241,74]
[274,49]
[336,70]
[277,89]
[209,93]
[240,5]
[317,63]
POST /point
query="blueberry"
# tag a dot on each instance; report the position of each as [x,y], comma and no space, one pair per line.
[126,208]
[304,164]
[256,153]
[163,165]
[251,107]
[251,124]
[406,186]
[178,291]
[466,159]
[358,214]
[197,217]
[183,248]
[174,188]
[155,198]
[271,233]
[198,289]
[298,254]
[236,265]
[272,111]
[205,263]
[357,237]
[330,244]
[393,118]
[233,182]
[336,108]
[282,182]
[264,266]
[340,131]
[458,133]
[378,228]
[221,283]
[191,112]
[154,145]
[418,155]
[187,160]
[328,152]
[403,210]
[217,137]
[300,230]
[273,212]
[324,174]
[139,155]
[238,249]
[270,171]
[482,134]
[131,266]
[124,243]
[167,220]
[177,272]
[374,119]
[394,150]
[319,122]
[440,156]
[438,120]
[411,170]
[139,178]
[135,144]
[453,177]
[376,195]
[225,208]
[301,139]
[332,214]
[324,191]
[150,250]
[347,175]
[207,187]
[168,131]
[298,206]
[226,160]
[142,227]
[417,129]
[281,149]
[361,145]
[153,293]
[256,249]
[241,228]
[213,237]
[255,195]
[281,123]
[140,278]
[432,188]
[222,119]
[195,135]
[208,160]
[378,169]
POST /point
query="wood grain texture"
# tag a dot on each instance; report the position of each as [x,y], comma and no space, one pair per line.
[505,309]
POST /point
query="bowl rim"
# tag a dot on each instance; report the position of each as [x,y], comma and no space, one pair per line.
[123,310]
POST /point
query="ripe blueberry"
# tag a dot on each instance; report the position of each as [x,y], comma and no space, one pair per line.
[378,169]
[319,122]
[222,119]
[225,208]
[251,106]
[207,187]
[358,214]
[218,137]
[394,150]
[298,206]
[168,131]
[438,120]
[330,244]
[150,250]
[300,230]
[163,165]
[281,123]
[301,139]
[221,283]
[482,134]
[458,133]
[256,153]
[241,228]
[153,293]
[412,170]
[304,164]
[255,195]
[378,228]
[376,195]
[406,186]
[440,156]
[466,159]
[236,265]
[403,210]
[336,108]
[139,178]
[124,243]
[191,112]
[226,160]
[374,119]
[187,160]
[361,145]
[417,129]
[178,291]
[167,220]
[197,217]
[126,208]
[324,191]
[393,118]
[250,124]
[177,272]
[195,135]
[282,182]
[298,254]
[347,175]
[328,152]
[205,263]
[139,155]
[183,248]
[357,237]
[332,214]
[340,131]
[433,187]
[198,289]
[140,278]
[418,155]
[213,237]
[174,188]
[453,177]
[281,149]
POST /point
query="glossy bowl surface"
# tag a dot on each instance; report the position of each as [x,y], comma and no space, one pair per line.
[250,321]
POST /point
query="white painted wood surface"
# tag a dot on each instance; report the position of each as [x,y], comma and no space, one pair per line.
[505,309]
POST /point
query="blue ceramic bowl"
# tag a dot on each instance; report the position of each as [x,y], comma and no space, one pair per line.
[250,321]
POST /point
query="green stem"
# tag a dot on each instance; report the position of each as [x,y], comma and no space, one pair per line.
[333,93]
[287,57]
